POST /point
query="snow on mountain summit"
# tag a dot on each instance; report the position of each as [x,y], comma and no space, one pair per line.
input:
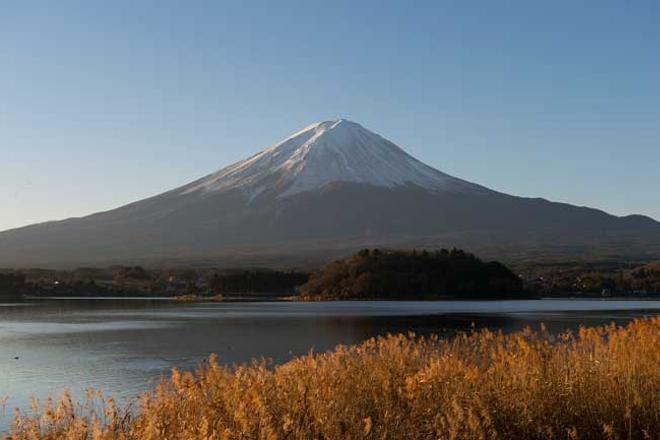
[323,153]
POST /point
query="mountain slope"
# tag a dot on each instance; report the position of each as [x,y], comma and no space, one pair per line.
[326,152]
[323,192]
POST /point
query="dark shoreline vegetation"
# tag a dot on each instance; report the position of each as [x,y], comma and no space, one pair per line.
[137,281]
[444,274]
[369,274]
[600,382]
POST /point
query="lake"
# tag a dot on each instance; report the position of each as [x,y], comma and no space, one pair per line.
[123,346]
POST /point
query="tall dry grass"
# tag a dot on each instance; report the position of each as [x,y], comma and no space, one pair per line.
[599,383]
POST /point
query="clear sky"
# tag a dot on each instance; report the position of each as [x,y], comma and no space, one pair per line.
[104,103]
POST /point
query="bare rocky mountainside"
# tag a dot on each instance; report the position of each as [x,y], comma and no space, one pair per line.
[325,191]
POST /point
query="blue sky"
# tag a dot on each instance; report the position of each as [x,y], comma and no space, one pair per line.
[104,103]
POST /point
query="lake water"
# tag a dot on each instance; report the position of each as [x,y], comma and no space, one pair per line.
[123,346]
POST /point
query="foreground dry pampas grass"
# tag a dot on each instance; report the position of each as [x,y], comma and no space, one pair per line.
[599,383]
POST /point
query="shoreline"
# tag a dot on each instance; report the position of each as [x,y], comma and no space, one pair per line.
[237,298]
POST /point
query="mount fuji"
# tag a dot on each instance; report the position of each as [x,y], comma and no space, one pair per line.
[324,191]
[324,153]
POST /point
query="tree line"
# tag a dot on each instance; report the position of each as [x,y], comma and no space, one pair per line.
[380,274]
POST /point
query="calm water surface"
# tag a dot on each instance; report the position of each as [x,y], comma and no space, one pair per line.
[123,346]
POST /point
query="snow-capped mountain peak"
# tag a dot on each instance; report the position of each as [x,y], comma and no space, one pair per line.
[283,202]
[323,153]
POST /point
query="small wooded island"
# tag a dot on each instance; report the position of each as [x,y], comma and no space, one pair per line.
[443,274]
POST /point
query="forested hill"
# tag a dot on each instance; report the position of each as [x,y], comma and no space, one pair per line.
[11,284]
[379,274]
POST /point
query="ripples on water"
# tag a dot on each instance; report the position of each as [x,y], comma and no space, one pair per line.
[123,346]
